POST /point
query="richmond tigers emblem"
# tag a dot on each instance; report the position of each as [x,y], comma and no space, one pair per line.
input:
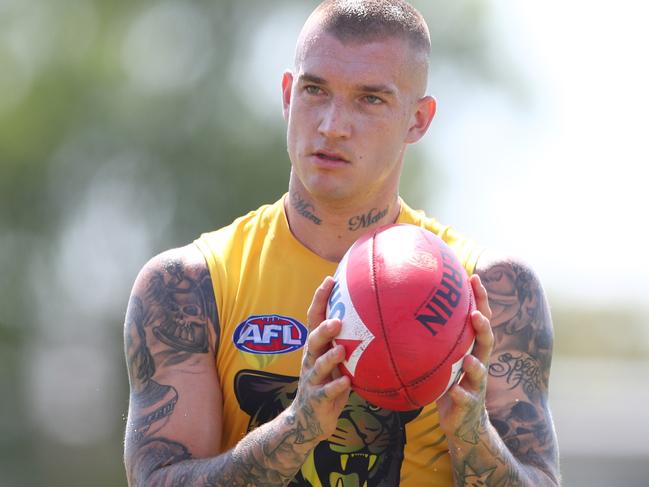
[365,450]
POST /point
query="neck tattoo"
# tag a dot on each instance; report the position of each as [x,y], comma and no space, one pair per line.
[373,216]
[304,209]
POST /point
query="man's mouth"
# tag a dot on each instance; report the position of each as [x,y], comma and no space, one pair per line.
[330,156]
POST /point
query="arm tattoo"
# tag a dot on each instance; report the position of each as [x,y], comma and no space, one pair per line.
[183,309]
[265,457]
[155,453]
[521,318]
[520,363]
[140,360]
[473,425]
[524,430]
[519,370]
[166,324]
[153,402]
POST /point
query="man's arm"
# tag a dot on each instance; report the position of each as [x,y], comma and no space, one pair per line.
[497,420]
[173,432]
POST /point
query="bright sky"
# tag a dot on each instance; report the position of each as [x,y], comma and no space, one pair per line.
[558,179]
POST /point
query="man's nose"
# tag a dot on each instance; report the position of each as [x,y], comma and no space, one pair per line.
[335,122]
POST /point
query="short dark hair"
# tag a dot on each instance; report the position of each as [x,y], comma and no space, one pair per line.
[369,20]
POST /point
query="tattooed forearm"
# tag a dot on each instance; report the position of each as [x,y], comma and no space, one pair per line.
[519,442]
[153,454]
[373,216]
[304,209]
[271,456]
[490,464]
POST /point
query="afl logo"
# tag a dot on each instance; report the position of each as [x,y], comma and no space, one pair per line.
[269,334]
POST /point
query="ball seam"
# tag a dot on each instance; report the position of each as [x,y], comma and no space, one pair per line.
[382,324]
[430,373]
[448,355]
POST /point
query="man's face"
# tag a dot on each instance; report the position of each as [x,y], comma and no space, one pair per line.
[351,108]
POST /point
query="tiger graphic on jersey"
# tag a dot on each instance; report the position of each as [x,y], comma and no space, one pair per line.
[365,450]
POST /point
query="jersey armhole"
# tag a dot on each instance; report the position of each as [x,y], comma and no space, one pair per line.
[212,266]
[474,256]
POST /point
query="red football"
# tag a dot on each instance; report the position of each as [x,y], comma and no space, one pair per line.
[405,302]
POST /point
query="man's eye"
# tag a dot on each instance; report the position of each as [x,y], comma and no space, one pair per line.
[312,90]
[373,99]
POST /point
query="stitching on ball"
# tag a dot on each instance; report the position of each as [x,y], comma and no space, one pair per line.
[391,392]
[426,376]
[385,337]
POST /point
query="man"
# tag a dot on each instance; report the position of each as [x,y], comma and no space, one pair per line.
[226,387]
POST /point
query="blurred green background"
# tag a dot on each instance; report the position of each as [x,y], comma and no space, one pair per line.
[127,128]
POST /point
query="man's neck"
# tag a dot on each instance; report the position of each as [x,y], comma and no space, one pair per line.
[330,228]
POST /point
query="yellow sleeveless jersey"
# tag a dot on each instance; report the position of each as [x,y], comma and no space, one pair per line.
[264,280]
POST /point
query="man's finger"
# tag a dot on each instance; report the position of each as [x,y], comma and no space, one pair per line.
[484,337]
[475,374]
[481,298]
[326,364]
[319,340]
[337,387]
[460,396]
[318,308]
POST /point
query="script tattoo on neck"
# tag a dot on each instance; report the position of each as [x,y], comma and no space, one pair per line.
[366,219]
[304,209]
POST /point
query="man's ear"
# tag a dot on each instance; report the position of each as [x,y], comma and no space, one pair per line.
[287,87]
[424,113]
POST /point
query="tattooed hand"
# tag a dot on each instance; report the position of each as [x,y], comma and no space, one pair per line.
[322,392]
[462,410]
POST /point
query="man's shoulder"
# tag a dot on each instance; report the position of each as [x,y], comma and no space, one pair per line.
[492,265]
[179,263]
[516,296]
[193,259]
[174,290]
[466,249]
[261,216]
[254,226]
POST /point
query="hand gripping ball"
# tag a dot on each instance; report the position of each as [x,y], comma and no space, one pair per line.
[405,302]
